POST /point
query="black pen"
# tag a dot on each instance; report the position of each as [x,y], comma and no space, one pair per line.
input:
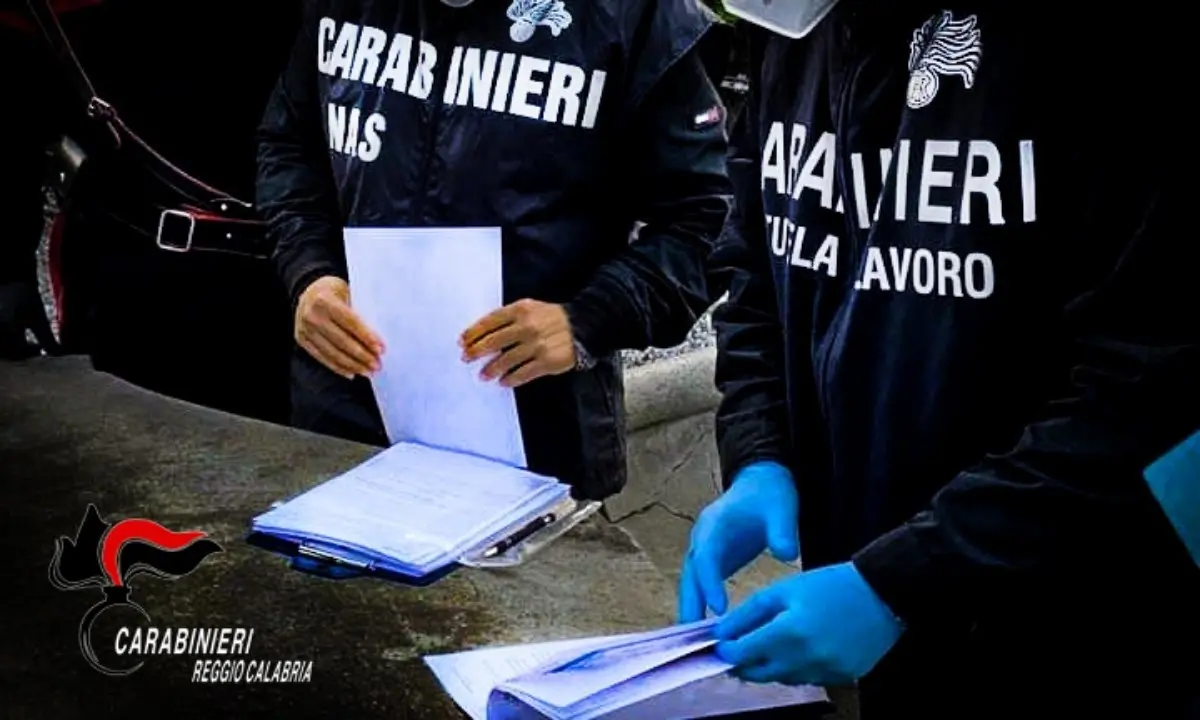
[519,536]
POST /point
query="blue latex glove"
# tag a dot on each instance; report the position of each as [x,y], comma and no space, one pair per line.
[824,627]
[1174,479]
[760,511]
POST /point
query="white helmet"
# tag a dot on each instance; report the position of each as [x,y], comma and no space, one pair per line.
[458,3]
[790,18]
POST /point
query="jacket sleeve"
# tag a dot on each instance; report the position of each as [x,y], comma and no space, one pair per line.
[752,420]
[654,291]
[295,189]
[1069,498]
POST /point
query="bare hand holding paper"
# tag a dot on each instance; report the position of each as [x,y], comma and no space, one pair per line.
[418,288]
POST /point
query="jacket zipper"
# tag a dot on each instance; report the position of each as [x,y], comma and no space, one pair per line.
[852,246]
[433,114]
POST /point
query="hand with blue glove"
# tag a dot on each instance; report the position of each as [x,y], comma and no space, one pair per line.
[759,511]
[824,627]
[1174,480]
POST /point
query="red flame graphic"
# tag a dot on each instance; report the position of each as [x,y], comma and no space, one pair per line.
[146,531]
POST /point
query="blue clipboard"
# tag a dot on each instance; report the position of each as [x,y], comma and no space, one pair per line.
[330,565]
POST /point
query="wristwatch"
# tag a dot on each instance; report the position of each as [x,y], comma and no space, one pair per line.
[583,360]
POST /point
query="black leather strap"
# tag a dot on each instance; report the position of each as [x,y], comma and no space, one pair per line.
[52,31]
[195,190]
[186,230]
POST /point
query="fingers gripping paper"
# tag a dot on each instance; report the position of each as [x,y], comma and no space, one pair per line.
[419,288]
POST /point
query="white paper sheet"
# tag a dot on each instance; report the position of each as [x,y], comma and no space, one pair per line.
[610,667]
[469,677]
[663,674]
[419,289]
[416,506]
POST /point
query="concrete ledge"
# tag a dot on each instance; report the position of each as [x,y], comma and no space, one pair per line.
[670,389]
[673,466]
[673,463]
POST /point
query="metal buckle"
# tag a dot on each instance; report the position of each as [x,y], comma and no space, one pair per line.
[100,109]
[191,231]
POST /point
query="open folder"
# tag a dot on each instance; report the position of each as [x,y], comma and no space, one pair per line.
[413,513]
[669,674]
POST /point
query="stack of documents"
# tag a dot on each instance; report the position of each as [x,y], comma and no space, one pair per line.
[413,510]
[665,674]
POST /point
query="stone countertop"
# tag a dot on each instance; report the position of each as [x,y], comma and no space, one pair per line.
[671,389]
[70,437]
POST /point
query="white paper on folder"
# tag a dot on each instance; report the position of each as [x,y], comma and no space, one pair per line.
[589,676]
[662,674]
[469,677]
[419,289]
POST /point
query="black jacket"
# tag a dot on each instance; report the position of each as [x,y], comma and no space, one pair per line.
[959,311]
[563,123]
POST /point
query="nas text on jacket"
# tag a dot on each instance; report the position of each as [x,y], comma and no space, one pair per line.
[486,80]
